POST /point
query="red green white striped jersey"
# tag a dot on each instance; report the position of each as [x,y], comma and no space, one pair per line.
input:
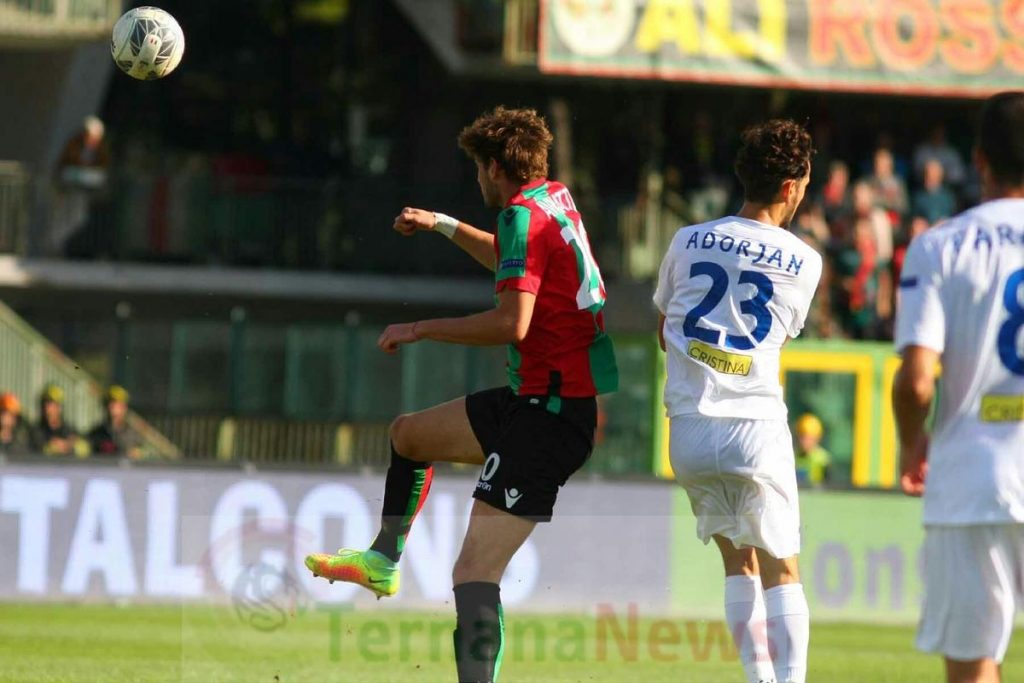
[542,248]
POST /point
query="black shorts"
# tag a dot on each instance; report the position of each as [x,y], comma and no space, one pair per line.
[530,450]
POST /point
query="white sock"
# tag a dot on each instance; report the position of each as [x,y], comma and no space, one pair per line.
[789,630]
[746,618]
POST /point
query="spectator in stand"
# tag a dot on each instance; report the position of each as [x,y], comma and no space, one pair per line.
[917,226]
[812,461]
[114,436]
[890,190]
[856,285]
[937,148]
[88,149]
[866,207]
[53,436]
[835,195]
[863,282]
[14,438]
[934,201]
[82,179]
[901,164]
[810,226]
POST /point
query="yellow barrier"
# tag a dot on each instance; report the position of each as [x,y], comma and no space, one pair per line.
[873,366]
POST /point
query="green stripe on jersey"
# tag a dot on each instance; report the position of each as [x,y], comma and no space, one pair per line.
[540,190]
[604,371]
[515,362]
[513,232]
[586,268]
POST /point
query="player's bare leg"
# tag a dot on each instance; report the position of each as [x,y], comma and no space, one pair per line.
[744,609]
[788,616]
[417,439]
[975,671]
[438,434]
[492,539]
[737,561]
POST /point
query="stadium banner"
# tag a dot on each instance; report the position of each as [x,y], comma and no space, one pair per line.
[151,534]
[860,558]
[618,551]
[956,48]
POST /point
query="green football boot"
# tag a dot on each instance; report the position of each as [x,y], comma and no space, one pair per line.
[368,568]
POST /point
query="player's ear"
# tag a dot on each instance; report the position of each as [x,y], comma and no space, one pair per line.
[787,190]
[493,169]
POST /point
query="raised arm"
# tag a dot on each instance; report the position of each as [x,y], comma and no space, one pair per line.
[477,243]
[508,323]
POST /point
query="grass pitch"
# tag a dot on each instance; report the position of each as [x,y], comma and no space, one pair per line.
[92,643]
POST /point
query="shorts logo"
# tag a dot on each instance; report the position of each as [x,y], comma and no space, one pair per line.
[490,468]
[512,497]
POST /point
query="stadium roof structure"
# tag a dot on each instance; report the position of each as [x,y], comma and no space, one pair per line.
[32,23]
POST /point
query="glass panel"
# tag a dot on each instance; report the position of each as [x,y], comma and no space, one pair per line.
[376,377]
[261,382]
[829,396]
[200,367]
[147,365]
[317,374]
[625,418]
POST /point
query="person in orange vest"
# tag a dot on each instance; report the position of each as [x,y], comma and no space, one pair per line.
[14,438]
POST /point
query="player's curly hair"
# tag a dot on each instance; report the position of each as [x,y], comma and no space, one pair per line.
[772,152]
[518,139]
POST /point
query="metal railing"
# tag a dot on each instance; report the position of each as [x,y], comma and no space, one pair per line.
[28,362]
[28,19]
[15,185]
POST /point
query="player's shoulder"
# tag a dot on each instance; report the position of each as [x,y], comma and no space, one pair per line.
[516,216]
[686,233]
[949,234]
[541,202]
[800,246]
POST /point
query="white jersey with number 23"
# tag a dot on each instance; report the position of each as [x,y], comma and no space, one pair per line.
[732,292]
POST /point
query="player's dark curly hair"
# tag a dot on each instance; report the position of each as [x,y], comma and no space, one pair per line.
[518,139]
[1001,137]
[772,152]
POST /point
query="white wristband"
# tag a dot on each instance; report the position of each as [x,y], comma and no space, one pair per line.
[446,225]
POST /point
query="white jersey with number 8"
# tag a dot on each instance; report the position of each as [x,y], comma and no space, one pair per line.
[962,295]
[732,292]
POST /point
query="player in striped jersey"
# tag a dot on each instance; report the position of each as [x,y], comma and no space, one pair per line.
[530,436]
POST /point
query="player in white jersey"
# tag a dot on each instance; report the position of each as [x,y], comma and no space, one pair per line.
[731,292]
[962,304]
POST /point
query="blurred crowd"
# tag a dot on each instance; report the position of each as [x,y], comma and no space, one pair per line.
[52,435]
[862,221]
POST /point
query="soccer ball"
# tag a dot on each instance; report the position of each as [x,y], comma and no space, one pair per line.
[147,43]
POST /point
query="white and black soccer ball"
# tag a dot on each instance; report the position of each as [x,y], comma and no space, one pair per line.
[147,44]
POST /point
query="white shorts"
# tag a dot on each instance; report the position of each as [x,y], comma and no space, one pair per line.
[741,480]
[972,579]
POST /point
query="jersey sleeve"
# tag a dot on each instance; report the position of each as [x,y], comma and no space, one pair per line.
[663,292]
[808,287]
[920,318]
[522,258]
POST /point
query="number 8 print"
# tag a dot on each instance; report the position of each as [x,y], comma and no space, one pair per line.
[1009,352]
